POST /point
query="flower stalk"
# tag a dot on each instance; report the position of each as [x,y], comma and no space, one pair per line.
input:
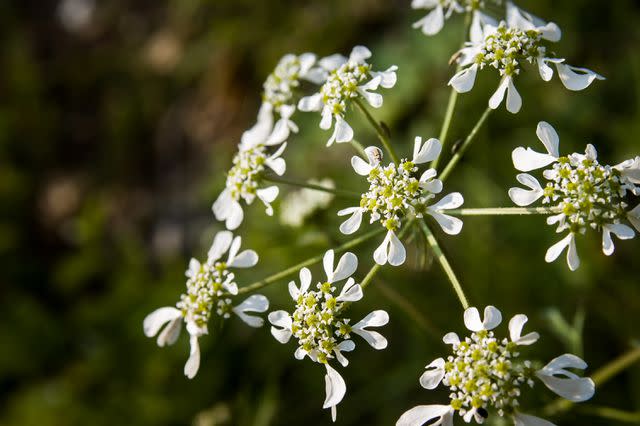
[382,134]
[503,211]
[336,192]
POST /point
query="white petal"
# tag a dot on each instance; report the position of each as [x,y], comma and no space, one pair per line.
[526,420]
[311,103]
[372,98]
[450,201]
[492,318]
[431,378]
[268,195]
[335,387]
[344,346]
[374,319]
[194,268]
[514,100]
[343,132]
[245,259]
[449,224]
[524,197]
[346,267]
[397,252]
[235,217]
[427,152]
[388,78]
[546,72]
[465,79]
[634,217]
[498,96]
[327,263]
[451,338]
[360,166]
[193,363]
[564,382]
[527,160]
[254,303]
[352,224]
[283,320]
[332,62]
[171,332]
[572,255]
[282,128]
[351,292]
[380,255]
[359,54]
[549,137]
[515,331]
[620,230]
[417,416]
[472,319]
[220,245]
[555,250]
[432,23]
[156,319]
[575,78]
[278,165]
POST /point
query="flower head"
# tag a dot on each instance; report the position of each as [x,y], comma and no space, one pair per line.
[319,325]
[398,191]
[486,374]
[585,193]
[210,288]
[345,80]
[280,86]
[253,159]
[507,46]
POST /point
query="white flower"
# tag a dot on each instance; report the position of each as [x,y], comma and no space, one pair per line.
[440,10]
[509,45]
[395,192]
[209,286]
[585,193]
[299,205]
[249,165]
[486,373]
[280,86]
[346,79]
[319,325]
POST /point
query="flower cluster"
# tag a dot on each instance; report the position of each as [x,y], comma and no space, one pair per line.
[210,287]
[299,205]
[507,46]
[486,374]
[280,86]
[395,192]
[440,10]
[318,323]
[585,193]
[346,79]
[245,178]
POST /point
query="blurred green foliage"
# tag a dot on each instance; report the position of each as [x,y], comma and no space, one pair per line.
[118,120]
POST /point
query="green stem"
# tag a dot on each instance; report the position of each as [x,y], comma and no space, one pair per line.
[358,146]
[295,268]
[446,266]
[453,99]
[503,211]
[465,145]
[382,134]
[600,377]
[337,192]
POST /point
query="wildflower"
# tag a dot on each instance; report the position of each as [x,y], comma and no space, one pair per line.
[210,287]
[396,192]
[300,205]
[585,193]
[244,179]
[509,45]
[346,80]
[280,86]
[487,373]
[433,22]
[318,323]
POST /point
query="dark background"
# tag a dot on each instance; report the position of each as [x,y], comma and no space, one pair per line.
[118,121]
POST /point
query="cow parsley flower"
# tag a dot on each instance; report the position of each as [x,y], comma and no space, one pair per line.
[210,288]
[396,192]
[297,206]
[440,10]
[319,325]
[586,193]
[486,374]
[507,47]
[346,80]
[251,162]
